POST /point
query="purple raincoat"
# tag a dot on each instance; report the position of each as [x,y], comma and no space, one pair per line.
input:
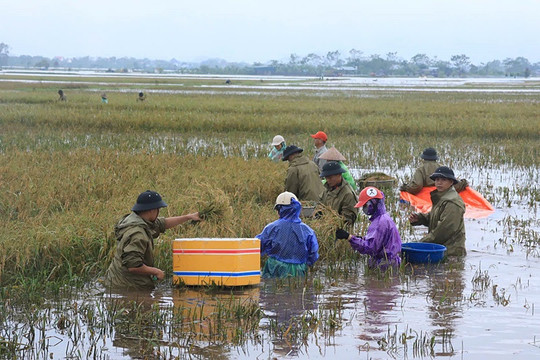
[382,241]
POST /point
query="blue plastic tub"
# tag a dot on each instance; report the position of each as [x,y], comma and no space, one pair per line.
[422,253]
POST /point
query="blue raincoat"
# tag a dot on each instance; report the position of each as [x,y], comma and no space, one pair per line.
[382,241]
[289,243]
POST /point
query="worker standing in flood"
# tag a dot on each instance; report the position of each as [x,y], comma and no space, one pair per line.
[302,175]
[338,194]
[333,154]
[62,96]
[421,177]
[278,146]
[290,244]
[319,140]
[445,220]
[382,241]
[133,262]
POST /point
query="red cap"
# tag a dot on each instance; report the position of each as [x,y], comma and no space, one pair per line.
[320,135]
[367,194]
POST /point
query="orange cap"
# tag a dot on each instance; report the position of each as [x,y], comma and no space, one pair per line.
[367,194]
[320,135]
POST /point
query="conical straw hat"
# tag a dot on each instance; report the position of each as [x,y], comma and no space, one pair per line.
[332,154]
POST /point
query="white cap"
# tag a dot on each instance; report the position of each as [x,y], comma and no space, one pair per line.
[285,198]
[278,139]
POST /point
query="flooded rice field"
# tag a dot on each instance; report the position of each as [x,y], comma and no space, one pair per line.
[485,305]
[82,153]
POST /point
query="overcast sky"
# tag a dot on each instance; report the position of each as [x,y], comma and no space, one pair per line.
[254,30]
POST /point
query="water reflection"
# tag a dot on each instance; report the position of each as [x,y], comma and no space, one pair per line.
[380,300]
[445,287]
[289,305]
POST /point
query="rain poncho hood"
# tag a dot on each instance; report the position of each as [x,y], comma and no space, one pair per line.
[288,239]
[382,241]
[133,223]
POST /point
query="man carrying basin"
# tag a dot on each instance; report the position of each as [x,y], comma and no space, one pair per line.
[382,241]
[133,262]
[445,220]
[290,244]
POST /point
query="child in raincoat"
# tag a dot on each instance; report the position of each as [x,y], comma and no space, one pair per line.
[290,244]
[382,241]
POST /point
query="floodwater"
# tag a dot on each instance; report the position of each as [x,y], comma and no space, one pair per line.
[483,306]
[287,86]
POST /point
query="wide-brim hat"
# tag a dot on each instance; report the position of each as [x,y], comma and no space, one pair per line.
[444,172]
[289,150]
[331,168]
[148,200]
[332,154]
[429,154]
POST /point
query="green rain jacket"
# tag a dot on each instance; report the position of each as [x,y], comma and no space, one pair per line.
[135,247]
[421,177]
[303,179]
[445,222]
[341,199]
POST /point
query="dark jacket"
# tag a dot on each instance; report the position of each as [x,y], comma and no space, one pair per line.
[303,179]
[135,247]
[421,178]
[445,222]
[341,199]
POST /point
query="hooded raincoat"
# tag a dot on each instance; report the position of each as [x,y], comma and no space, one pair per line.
[289,243]
[421,177]
[135,247]
[382,241]
[445,222]
[303,179]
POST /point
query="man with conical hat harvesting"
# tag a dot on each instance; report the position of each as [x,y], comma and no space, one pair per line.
[333,154]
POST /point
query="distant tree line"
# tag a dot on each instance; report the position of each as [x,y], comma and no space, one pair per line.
[334,63]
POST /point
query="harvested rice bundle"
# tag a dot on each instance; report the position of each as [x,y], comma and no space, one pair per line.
[212,203]
[325,224]
[378,179]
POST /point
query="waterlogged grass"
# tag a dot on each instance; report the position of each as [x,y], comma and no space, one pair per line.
[418,115]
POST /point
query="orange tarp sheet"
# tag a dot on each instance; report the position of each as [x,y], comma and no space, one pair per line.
[476,206]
